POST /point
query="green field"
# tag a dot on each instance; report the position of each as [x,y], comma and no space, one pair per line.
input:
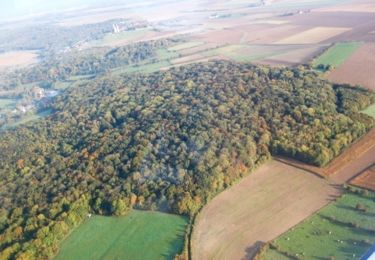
[370,110]
[337,54]
[7,103]
[113,39]
[72,81]
[185,45]
[165,54]
[32,117]
[139,235]
[339,230]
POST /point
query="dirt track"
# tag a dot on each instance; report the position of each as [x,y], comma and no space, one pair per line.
[259,208]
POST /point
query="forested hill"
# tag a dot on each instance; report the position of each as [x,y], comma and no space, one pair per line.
[168,140]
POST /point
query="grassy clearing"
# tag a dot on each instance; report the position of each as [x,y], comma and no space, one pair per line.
[72,81]
[7,103]
[32,117]
[339,230]
[370,111]
[143,68]
[337,54]
[118,38]
[185,45]
[165,54]
[139,235]
[242,52]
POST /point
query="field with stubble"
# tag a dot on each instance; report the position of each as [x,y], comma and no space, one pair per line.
[239,220]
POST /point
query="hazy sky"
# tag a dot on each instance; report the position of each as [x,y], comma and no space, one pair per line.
[11,8]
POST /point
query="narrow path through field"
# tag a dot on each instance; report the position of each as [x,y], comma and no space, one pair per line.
[262,206]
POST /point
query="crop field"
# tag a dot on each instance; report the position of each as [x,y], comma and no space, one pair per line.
[358,68]
[17,58]
[337,54]
[345,229]
[370,111]
[238,220]
[185,45]
[366,179]
[292,55]
[314,35]
[139,235]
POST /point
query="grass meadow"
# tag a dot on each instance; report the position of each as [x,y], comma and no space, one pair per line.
[139,235]
[342,230]
[337,54]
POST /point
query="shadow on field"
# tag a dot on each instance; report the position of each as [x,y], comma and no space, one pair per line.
[252,250]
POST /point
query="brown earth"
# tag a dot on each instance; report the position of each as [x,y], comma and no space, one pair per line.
[314,35]
[17,58]
[259,208]
[366,179]
[294,57]
[358,69]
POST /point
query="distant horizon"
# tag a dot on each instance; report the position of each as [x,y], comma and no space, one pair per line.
[17,9]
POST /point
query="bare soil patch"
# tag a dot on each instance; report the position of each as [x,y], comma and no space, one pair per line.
[294,57]
[358,69]
[17,58]
[366,179]
[314,35]
[259,208]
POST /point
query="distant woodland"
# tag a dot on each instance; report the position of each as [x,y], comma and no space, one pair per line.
[52,38]
[169,141]
[92,61]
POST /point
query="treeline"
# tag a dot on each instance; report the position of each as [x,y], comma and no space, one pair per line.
[170,140]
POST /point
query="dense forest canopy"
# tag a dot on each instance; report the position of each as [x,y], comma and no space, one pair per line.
[170,140]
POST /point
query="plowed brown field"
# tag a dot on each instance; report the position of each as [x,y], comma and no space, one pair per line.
[261,207]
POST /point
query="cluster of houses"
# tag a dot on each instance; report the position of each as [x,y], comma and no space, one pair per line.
[38,98]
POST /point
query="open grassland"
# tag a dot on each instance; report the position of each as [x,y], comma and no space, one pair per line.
[337,54]
[344,229]
[366,179]
[259,208]
[7,103]
[142,68]
[370,111]
[17,58]
[358,69]
[121,38]
[73,81]
[314,35]
[185,45]
[31,117]
[139,235]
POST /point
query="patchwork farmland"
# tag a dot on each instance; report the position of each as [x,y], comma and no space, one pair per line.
[227,229]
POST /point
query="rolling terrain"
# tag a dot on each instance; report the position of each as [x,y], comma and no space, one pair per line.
[243,121]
